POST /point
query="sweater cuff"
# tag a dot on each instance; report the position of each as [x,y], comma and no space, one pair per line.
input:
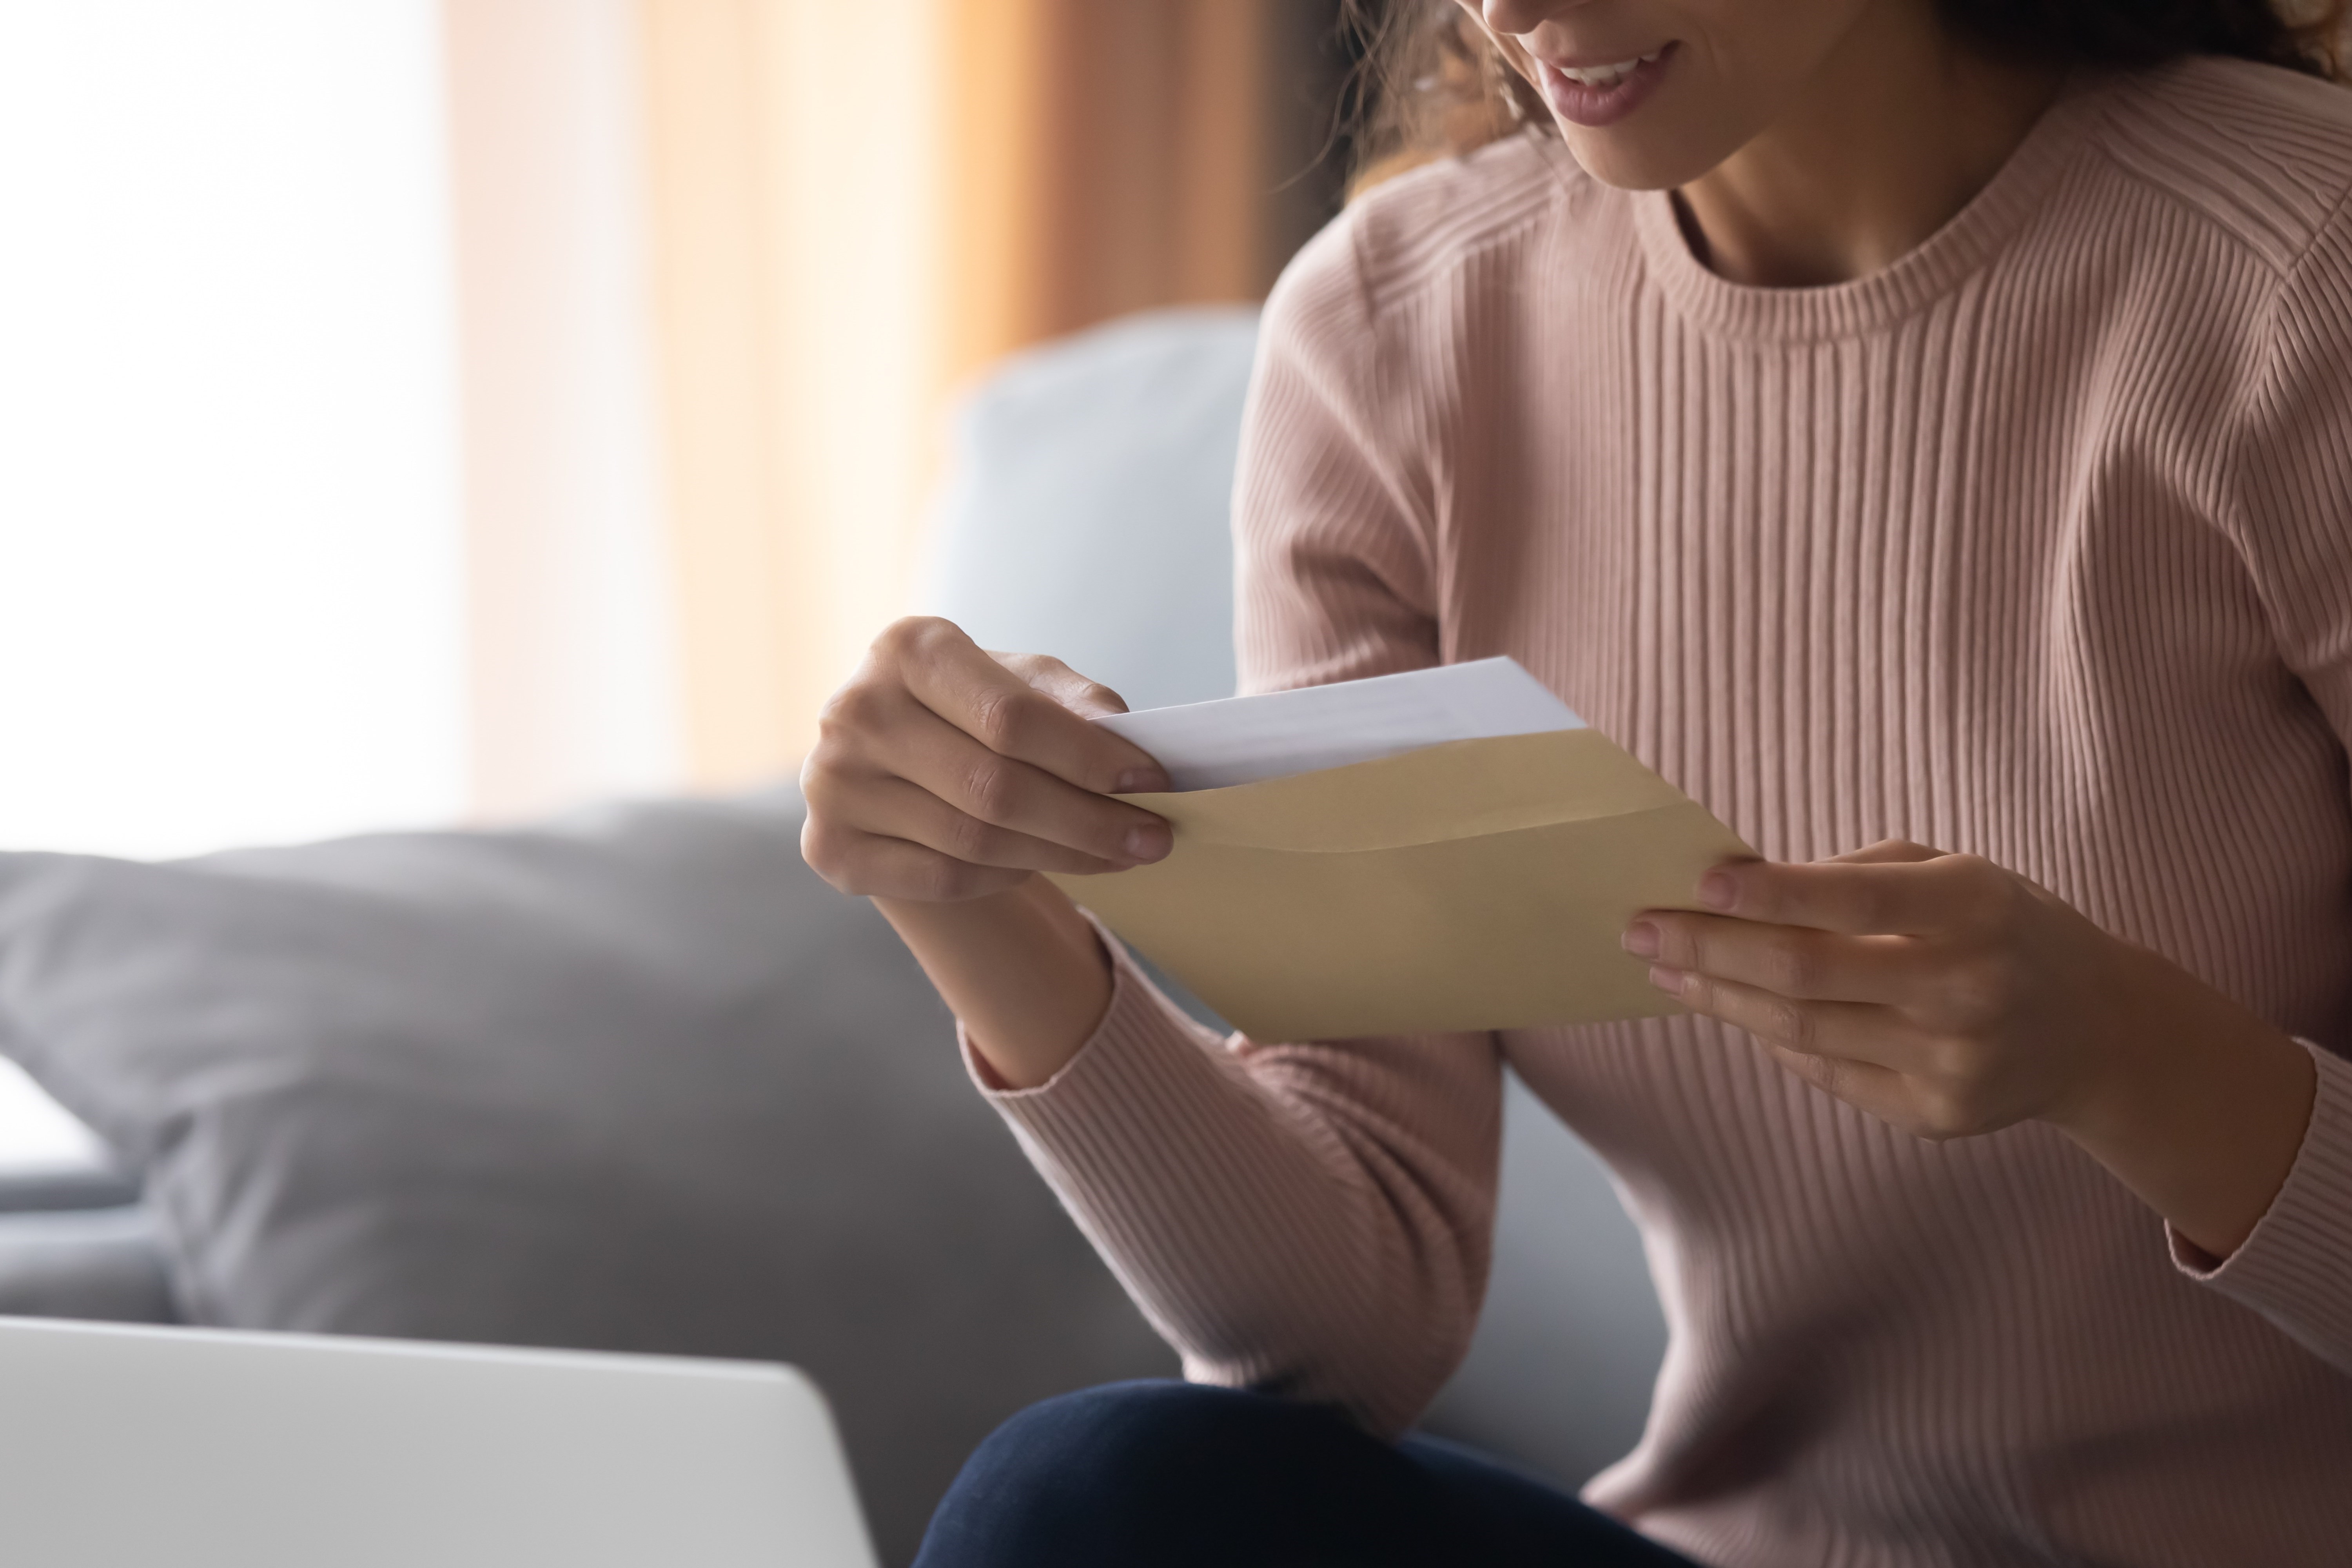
[1142,1041]
[2296,1267]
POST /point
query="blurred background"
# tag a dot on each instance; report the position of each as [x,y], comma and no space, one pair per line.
[419,414]
[433,411]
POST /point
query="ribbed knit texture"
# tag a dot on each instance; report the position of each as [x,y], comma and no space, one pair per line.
[2037,544]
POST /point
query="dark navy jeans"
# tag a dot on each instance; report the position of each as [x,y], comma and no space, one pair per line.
[1167,1475]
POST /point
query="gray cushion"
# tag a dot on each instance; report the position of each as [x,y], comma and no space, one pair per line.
[638,1080]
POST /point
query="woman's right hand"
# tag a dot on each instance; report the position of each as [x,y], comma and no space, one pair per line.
[942,773]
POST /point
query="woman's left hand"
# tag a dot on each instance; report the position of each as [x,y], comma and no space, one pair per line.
[1937,992]
[1948,997]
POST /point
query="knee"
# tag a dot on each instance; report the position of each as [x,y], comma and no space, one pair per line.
[1124,1441]
[1084,1477]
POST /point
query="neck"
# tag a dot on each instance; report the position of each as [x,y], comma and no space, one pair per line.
[1898,132]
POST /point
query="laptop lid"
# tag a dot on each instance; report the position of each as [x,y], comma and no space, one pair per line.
[202,1449]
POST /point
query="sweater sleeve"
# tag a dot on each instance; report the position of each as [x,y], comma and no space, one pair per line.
[2295,1268]
[2296,534]
[1311,1219]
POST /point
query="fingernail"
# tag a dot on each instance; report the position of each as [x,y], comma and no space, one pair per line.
[1146,843]
[1669,981]
[1641,940]
[1141,781]
[1716,890]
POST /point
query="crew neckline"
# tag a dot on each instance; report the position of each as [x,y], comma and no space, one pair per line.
[1904,287]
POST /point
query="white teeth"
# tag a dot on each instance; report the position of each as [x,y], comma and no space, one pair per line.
[1598,76]
[1607,76]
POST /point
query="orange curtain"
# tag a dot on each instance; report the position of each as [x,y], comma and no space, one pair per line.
[1104,158]
[852,209]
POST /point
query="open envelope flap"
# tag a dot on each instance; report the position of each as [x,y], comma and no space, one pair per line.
[1463,789]
[1490,930]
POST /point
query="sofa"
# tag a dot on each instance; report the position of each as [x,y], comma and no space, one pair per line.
[635,1079]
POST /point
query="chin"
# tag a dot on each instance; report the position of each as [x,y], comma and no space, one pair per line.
[1646,154]
[1664,144]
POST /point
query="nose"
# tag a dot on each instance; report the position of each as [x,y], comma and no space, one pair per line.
[1520,17]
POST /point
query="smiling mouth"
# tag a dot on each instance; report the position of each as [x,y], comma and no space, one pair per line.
[1603,94]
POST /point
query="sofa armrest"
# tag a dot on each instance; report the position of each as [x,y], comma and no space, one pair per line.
[64,1188]
[97,1265]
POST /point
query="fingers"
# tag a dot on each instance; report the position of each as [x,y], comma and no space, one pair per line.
[1797,961]
[1867,1087]
[1892,978]
[1886,852]
[896,808]
[1900,890]
[897,738]
[1854,1030]
[948,673]
[871,866]
[1005,792]
[1087,698]
[1871,1057]
[943,772]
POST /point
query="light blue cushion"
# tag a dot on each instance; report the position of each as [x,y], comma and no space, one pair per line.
[1085,511]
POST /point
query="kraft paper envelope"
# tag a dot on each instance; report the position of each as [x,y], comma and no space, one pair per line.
[1479,884]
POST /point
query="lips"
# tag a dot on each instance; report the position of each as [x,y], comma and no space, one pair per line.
[1605,93]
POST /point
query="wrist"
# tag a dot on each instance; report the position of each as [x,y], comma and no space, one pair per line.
[1022,969]
[2194,1102]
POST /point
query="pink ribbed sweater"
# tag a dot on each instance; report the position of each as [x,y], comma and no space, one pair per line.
[2037,544]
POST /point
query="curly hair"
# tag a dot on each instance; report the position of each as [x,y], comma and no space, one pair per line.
[1431,82]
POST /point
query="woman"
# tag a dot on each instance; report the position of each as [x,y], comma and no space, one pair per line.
[1902,423]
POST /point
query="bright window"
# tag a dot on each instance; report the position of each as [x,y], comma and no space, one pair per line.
[35,1133]
[230,557]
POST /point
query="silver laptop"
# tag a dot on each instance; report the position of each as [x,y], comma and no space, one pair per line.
[124,1448]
